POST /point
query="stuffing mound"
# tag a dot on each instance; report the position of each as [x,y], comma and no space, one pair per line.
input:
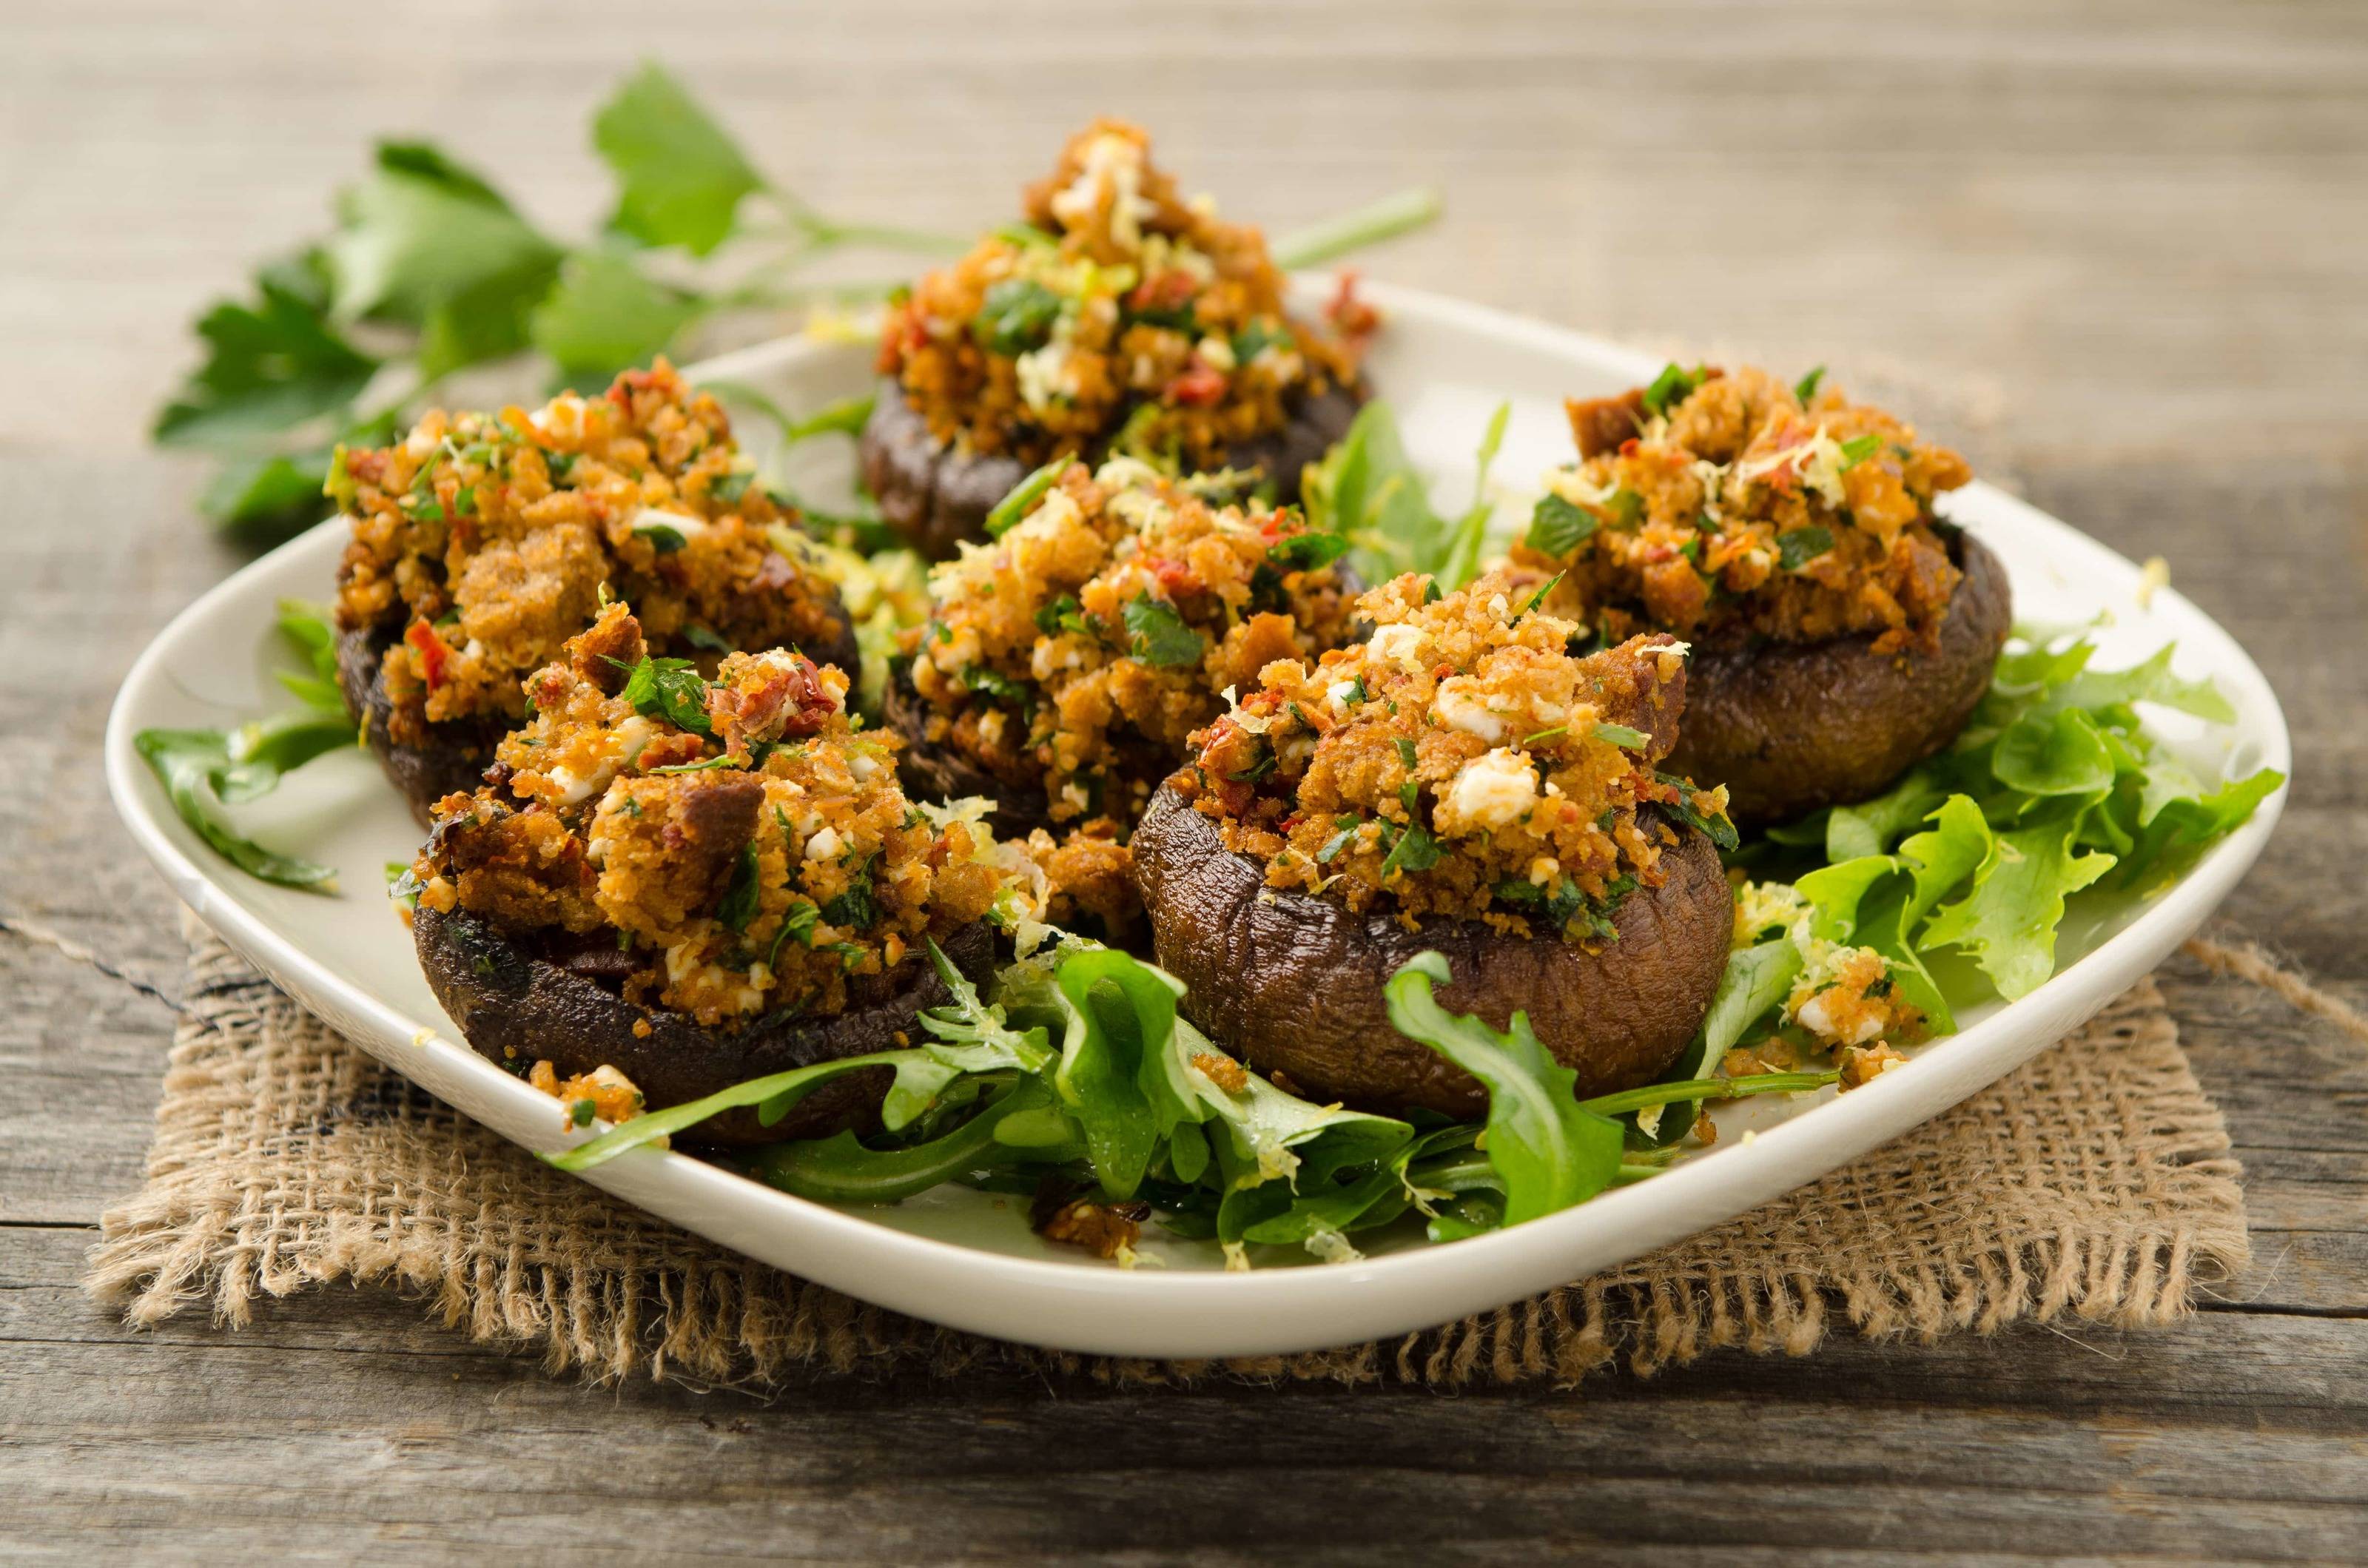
[1464,761]
[1710,501]
[1079,652]
[728,848]
[482,542]
[1116,304]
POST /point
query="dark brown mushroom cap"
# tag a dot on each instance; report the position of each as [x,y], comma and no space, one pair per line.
[936,497]
[1292,982]
[456,753]
[932,770]
[515,1009]
[1791,727]
[459,751]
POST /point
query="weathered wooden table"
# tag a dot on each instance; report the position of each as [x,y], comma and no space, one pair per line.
[2143,225]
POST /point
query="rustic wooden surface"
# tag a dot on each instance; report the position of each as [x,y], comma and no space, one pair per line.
[2140,226]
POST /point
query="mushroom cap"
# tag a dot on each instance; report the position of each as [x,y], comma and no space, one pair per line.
[1792,727]
[938,496]
[515,1008]
[1292,982]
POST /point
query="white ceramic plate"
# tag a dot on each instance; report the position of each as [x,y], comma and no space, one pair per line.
[968,1259]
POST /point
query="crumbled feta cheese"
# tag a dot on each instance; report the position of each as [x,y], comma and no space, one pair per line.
[1399,644]
[1459,704]
[1815,1017]
[1573,487]
[824,845]
[1045,375]
[1489,791]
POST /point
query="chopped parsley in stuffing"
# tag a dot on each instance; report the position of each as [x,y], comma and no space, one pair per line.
[1118,302]
[1462,761]
[482,542]
[1078,652]
[1714,500]
[728,848]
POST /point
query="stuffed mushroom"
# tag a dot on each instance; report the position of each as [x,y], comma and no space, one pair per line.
[1460,782]
[1118,315]
[681,884]
[1065,665]
[1841,630]
[480,543]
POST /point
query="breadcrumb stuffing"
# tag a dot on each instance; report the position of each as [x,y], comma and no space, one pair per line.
[1464,760]
[1117,302]
[723,848]
[1739,505]
[482,542]
[1079,652]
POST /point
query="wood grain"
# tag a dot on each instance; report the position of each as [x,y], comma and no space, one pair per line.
[2138,225]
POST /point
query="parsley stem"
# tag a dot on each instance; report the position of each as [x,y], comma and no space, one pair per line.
[1377,220]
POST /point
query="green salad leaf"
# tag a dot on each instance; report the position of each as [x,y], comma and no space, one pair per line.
[1367,488]
[2054,786]
[1548,1150]
[188,763]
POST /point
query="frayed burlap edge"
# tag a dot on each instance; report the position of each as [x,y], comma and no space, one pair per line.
[2095,1182]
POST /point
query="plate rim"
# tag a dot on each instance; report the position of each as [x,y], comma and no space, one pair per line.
[1205,1313]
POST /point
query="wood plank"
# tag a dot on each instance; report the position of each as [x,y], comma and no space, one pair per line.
[2139,1443]
[2136,222]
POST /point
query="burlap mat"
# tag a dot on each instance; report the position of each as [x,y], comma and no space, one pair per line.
[2095,1182]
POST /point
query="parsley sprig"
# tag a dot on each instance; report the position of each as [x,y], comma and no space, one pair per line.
[431,270]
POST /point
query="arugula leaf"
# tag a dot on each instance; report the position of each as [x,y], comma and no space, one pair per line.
[2184,823]
[1118,1012]
[270,364]
[2151,681]
[971,1037]
[1460,562]
[671,689]
[1367,488]
[307,627]
[680,178]
[771,1095]
[260,751]
[1159,634]
[1755,980]
[1872,826]
[605,316]
[841,1169]
[1549,1152]
[1806,387]
[1954,847]
[185,762]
